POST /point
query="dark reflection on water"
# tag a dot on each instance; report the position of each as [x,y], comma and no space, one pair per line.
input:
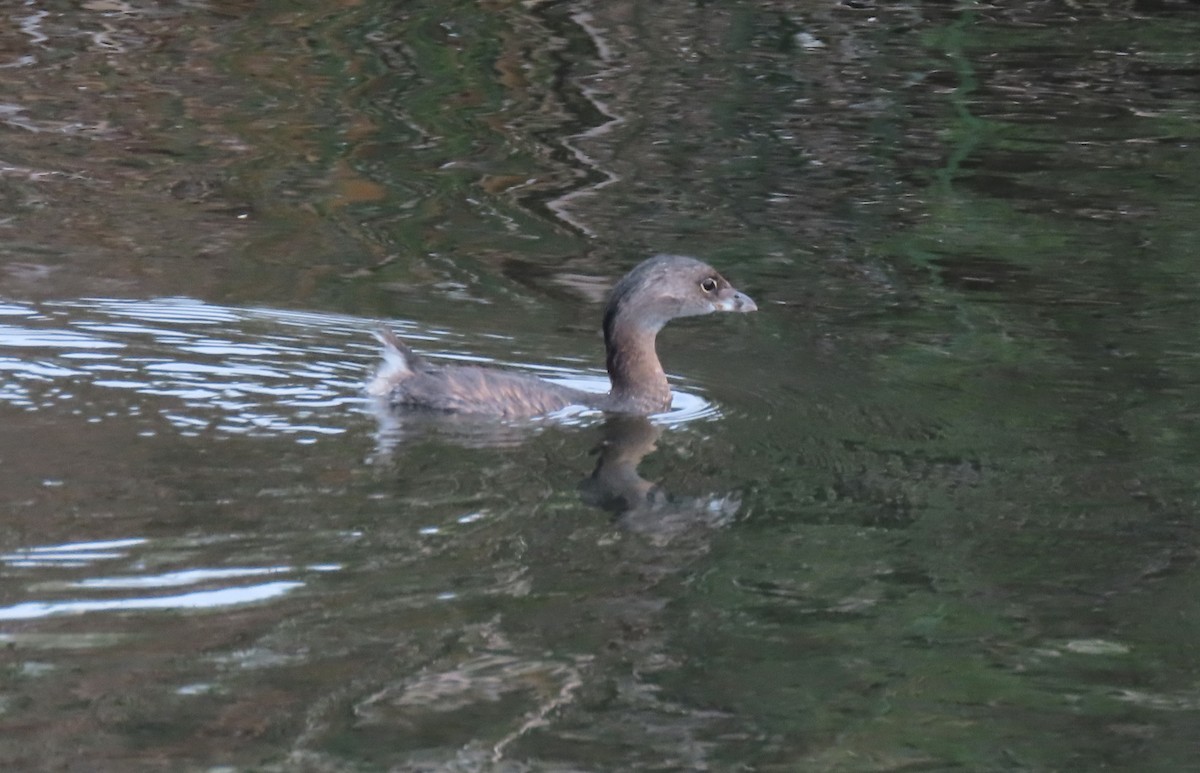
[933,508]
[641,505]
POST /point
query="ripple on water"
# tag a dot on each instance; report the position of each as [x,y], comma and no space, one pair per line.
[52,571]
[685,406]
[199,366]
[238,371]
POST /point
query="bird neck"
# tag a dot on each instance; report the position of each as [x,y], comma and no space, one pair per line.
[638,381]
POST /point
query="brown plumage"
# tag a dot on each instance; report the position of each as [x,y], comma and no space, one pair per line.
[653,293]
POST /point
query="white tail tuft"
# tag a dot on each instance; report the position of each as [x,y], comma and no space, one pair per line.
[396,366]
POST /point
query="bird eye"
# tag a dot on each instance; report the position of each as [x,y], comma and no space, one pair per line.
[708,285]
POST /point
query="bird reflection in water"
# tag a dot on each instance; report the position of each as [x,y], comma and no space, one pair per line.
[577,657]
[641,505]
[615,484]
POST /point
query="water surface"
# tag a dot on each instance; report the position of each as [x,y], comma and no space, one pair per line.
[932,508]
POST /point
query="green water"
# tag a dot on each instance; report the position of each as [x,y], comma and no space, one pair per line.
[933,507]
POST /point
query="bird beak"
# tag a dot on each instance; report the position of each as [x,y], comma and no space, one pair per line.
[735,301]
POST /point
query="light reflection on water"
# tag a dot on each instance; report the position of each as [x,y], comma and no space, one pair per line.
[74,554]
[238,371]
[205,357]
[134,553]
[199,600]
